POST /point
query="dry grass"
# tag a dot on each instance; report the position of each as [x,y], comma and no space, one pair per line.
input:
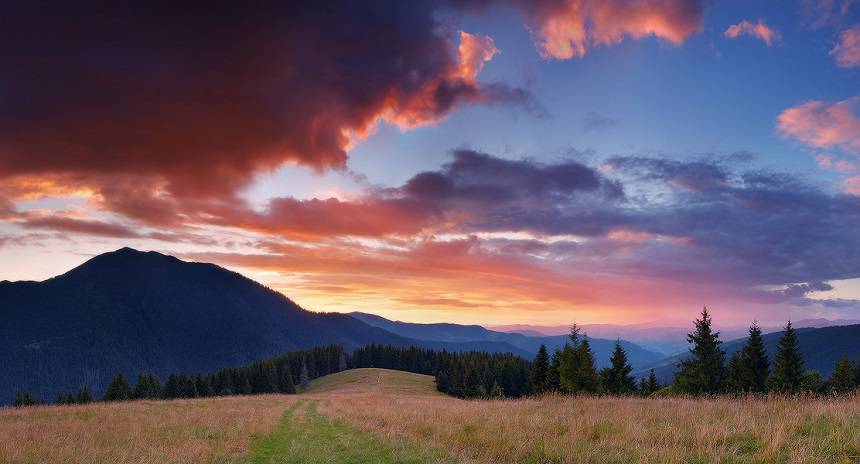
[556,429]
[180,431]
[378,381]
[395,411]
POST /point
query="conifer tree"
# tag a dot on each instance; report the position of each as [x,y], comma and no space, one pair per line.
[653,384]
[24,398]
[842,379]
[577,373]
[540,370]
[735,373]
[286,384]
[118,389]
[704,371]
[754,362]
[83,396]
[147,387]
[341,362]
[643,386]
[616,378]
[787,374]
[304,380]
[553,375]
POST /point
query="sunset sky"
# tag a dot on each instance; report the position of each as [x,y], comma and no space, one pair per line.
[476,161]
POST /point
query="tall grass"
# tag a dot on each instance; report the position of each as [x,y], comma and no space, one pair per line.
[178,431]
[559,429]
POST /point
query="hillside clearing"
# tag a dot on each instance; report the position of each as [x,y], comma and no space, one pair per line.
[376,381]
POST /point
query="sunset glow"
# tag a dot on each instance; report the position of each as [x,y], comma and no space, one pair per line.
[534,163]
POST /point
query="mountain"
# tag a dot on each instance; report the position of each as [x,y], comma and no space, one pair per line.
[821,348]
[445,332]
[130,311]
[665,339]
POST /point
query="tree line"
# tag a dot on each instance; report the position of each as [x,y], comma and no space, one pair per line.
[472,374]
[568,370]
[571,370]
[749,370]
[281,374]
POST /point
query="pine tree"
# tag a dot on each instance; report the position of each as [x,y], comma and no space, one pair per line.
[653,384]
[577,373]
[788,363]
[617,379]
[304,381]
[341,362]
[643,387]
[754,362]
[118,389]
[704,371]
[24,398]
[286,384]
[842,379]
[735,374]
[83,396]
[147,387]
[553,375]
[540,370]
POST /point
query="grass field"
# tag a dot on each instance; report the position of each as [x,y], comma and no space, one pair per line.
[378,416]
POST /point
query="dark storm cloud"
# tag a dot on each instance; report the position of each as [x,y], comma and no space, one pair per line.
[202,95]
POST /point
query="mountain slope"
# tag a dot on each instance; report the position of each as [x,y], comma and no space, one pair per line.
[821,348]
[445,332]
[131,312]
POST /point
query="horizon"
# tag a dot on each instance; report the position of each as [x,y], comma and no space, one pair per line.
[491,162]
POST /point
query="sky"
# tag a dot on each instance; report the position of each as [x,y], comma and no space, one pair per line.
[475,161]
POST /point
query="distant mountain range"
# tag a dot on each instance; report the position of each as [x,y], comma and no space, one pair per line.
[668,340]
[821,348]
[131,312]
[444,332]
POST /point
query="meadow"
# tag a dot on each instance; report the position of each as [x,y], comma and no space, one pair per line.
[375,415]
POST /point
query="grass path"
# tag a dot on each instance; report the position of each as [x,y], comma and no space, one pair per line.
[306,436]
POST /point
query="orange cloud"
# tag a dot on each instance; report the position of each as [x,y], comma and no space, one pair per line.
[759,30]
[567,29]
[847,52]
[823,125]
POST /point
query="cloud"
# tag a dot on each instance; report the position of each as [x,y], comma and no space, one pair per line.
[823,13]
[565,29]
[195,101]
[847,51]
[824,125]
[187,105]
[829,162]
[80,226]
[759,30]
[597,122]
[852,185]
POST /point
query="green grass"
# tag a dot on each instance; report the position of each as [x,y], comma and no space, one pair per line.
[306,436]
[371,380]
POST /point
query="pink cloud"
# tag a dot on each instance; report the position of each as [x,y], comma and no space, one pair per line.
[847,52]
[759,30]
[823,125]
[852,185]
[829,162]
[564,30]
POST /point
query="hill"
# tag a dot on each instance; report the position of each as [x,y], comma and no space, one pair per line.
[130,311]
[456,333]
[377,381]
[821,348]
